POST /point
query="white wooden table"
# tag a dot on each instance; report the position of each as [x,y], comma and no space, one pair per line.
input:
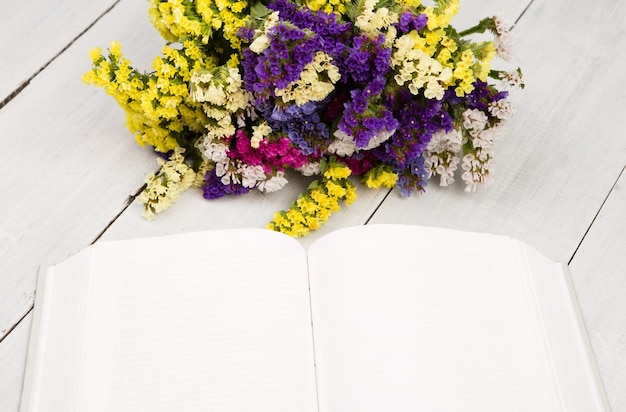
[70,169]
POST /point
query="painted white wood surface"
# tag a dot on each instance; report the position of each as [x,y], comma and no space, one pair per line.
[73,166]
[32,33]
[599,273]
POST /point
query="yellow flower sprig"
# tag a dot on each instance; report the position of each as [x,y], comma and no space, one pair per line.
[315,206]
[157,106]
[197,20]
[380,176]
[166,186]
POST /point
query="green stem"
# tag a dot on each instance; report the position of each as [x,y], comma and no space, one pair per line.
[479,28]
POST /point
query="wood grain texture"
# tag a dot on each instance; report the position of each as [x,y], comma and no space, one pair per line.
[599,274]
[12,363]
[32,34]
[73,163]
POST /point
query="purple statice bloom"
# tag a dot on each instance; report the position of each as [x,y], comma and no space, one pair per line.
[409,21]
[246,33]
[294,41]
[418,119]
[412,177]
[213,187]
[365,59]
[365,116]
[482,96]
[308,133]
[329,35]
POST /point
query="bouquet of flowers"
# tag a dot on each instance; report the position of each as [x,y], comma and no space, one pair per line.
[386,90]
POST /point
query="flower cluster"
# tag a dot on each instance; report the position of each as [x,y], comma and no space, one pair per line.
[243,93]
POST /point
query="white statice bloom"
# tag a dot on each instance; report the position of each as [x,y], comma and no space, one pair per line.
[258,133]
[502,109]
[442,141]
[504,46]
[487,138]
[225,170]
[250,175]
[442,164]
[434,88]
[474,121]
[511,79]
[262,41]
[440,156]
[217,152]
[471,177]
[343,145]
[259,44]
[274,183]
[309,169]
[478,170]
[501,25]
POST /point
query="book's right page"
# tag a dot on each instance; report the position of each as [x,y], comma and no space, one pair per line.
[414,318]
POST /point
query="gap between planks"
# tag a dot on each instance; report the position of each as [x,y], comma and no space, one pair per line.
[25,84]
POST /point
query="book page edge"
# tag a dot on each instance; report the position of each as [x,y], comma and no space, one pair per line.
[34,340]
[586,342]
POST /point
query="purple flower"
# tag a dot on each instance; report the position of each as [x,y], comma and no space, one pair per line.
[409,21]
[214,188]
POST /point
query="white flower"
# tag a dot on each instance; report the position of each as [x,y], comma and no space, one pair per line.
[502,109]
[215,151]
[474,121]
[343,145]
[274,183]
[513,78]
[443,141]
[504,46]
[310,169]
[259,44]
[250,175]
[440,156]
[502,25]
[262,42]
[223,169]
[477,169]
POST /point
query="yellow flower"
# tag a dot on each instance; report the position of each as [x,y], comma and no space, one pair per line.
[337,171]
[380,176]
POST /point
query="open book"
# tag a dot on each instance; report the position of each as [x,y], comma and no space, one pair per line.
[370,318]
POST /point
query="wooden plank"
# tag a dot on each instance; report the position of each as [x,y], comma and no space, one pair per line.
[33,34]
[599,273]
[70,163]
[565,146]
[12,363]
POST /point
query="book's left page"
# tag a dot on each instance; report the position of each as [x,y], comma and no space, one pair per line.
[204,321]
